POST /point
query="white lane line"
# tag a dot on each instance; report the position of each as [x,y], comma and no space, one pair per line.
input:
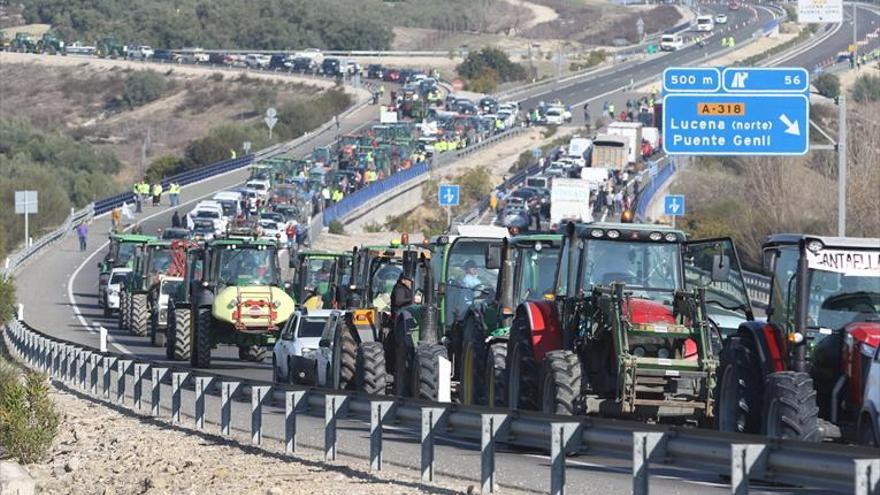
[76,311]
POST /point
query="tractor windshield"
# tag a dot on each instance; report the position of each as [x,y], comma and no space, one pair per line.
[246,266]
[643,266]
[124,252]
[467,278]
[385,274]
[159,262]
[319,273]
[837,299]
[536,269]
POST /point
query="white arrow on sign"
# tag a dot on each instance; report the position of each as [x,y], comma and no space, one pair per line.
[674,206]
[791,127]
[449,196]
[271,121]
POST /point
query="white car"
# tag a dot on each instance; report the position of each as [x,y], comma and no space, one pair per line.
[142,52]
[257,61]
[110,299]
[215,215]
[299,356]
[671,42]
[721,19]
[704,24]
[261,187]
[554,116]
[272,230]
[869,419]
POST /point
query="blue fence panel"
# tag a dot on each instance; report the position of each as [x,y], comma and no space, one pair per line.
[356,199]
[651,189]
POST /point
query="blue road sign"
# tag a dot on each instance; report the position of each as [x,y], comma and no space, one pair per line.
[766,80]
[691,79]
[447,195]
[735,124]
[536,152]
[673,205]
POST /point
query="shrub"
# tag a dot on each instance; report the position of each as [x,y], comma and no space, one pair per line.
[374,227]
[140,87]
[28,422]
[7,300]
[866,88]
[476,64]
[828,85]
[163,167]
[336,227]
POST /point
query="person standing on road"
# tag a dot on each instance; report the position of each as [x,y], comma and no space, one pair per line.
[136,189]
[82,233]
[175,219]
[115,218]
[611,110]
[174,193]
[157,194]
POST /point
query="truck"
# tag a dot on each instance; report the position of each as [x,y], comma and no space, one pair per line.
[570,201]
[579,150]
[610,151]
[632,132]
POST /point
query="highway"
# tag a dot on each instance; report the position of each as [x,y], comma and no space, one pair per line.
[59,290]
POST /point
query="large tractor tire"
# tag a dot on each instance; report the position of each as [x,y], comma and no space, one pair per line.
[251,353]
[123,310]
[739,391]
[371,376]
[471,369]
[523,373]
[426,371]
[157,335]
[178,339]
[495,373]
[200,357]
[561,392]
[106,307]
[140,315]
[348,350]
[790,409]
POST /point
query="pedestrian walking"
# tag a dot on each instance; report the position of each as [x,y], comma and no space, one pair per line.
[82,233]
[175,219]
[157,194]
[174,193]
[115,219]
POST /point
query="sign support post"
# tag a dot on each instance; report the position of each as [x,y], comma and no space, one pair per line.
[25,204]
[841,167]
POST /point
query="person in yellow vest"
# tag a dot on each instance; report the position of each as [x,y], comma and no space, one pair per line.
[138,199]
[174,193]
[337,195]
[157,193]
[493,201]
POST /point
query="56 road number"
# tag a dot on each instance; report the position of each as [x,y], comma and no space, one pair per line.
[793,80]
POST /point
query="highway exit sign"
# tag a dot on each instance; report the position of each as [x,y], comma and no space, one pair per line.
[736,111]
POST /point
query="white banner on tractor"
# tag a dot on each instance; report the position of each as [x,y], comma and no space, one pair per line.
[851,263]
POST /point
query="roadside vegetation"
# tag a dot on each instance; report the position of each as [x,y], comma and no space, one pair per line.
[595,24]
[489,67]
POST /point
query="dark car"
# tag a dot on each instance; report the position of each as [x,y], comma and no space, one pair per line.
[331,67]
[466,108]
[375,71]
[304,65]
[405,74]
[219,59]
[488,105]
[167,55]
[391,75]
[173,233]
[279,62]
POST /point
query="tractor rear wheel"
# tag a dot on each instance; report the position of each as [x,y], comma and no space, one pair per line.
[426,371]
[123,310]
[251,353]
[371,376]
[140,315]
[522,369]
[790,409]
[200,356]
[562,387]
[348,362]
[178,339]
[473,354]
[739,393]
[495,374]
[157,335]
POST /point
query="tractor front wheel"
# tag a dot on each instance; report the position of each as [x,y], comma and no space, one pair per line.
[371,376]
[522,369]
[790,409]
[200,356]
[140,315]
[739,392]
[562,386]
[157,335]
[495,374]
[123,310]
[178,339]
[251,353]
[348,360]
[426,371]
[473,354]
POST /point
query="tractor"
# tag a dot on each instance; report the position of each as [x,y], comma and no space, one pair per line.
[527,267]
[318,274]
[23,43]
[50,44]
[432,329]
[178,330]
[120,254]
[151,266]
[109,48]
[240,299]
[164,288]
[802,373]
[627,331]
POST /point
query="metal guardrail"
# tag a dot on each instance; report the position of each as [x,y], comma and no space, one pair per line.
[14,261]
[741,457]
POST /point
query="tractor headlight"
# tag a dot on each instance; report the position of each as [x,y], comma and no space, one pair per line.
[613,234]
[670,237]
[795,337]
[596,233]
[655,236]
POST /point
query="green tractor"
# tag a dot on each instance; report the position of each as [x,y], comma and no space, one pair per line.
[121,253]
[178,329]
[632,328]
[23,43]
[240,299]
[318,274]
[109,48]
[527,267]
[50,44]
[152,265]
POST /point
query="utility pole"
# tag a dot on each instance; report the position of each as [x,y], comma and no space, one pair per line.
[855,33]
[841,167]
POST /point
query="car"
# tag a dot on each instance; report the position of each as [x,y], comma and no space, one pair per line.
[466,107]
[172,233]
[331,67]
[257,61]
[298,356]
[554,116]
[165,55]
[375,71]
[704,23]
[273,215]
[721,19]
[304,65]
[671,42]
[391,75]
[215,216]
[219,59]
[204,228]
[488,104]
[869,419]
[142,52]
[109,300]
[272,230]
[733,6]
[279,61]
[260,186]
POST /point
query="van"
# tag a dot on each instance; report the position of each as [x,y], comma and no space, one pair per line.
[704,23]
[671,42]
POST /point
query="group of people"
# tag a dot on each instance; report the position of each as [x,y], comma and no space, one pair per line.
[143,191]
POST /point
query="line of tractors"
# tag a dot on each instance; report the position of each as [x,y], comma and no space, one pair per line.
[25,43]
[614,319]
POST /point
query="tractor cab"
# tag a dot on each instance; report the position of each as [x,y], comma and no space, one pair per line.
[120,254]
[823,326]
[318,274]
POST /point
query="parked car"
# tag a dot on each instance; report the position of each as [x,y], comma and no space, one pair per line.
[141,52]
[298,356]
[280,62]
[110,298]
[257,61]
[304,65]
[219,59]
[172,233]
[331,67]
[391,75]
[554,116]
[375,71]
[165,55]
[721,19]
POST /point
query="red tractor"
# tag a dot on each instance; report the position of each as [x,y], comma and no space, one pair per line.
[802,373]
[632,328]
